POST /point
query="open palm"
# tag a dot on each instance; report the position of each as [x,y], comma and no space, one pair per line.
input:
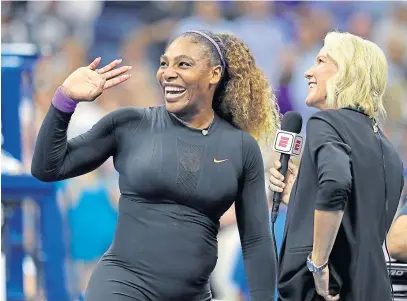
[87,83]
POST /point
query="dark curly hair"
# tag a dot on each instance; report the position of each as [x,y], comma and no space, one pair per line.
[243,97]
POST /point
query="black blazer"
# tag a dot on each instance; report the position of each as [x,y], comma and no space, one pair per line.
[342,169]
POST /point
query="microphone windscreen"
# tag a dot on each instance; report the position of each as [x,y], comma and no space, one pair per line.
[292,122]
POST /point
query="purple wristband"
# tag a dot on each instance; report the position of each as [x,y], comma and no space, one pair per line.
[63,102]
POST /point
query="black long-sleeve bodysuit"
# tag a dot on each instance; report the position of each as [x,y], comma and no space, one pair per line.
[175,184]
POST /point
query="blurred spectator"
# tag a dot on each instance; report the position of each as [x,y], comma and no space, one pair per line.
[394,24]
[116,22]
[143,90]
[13,28]
[50,22]
[395,99]
[325,22]
[207,15]
[396,94]
[91,219]
[360,23]
[299,57]
[258,17]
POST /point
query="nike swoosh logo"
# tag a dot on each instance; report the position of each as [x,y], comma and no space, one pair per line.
[219,161]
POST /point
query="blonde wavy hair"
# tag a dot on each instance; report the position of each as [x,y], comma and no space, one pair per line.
[361,79]
[243,97]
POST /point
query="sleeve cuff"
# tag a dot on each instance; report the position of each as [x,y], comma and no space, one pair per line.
[332,196]
[63,102]
[328,207]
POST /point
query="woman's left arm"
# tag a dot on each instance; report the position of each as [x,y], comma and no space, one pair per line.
[252,214]
[331,158]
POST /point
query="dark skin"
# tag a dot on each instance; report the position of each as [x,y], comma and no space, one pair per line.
[185,65]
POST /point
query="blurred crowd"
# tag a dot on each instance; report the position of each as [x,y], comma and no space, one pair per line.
[283,36]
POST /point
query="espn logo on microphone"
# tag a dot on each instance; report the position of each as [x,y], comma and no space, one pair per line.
[288,143]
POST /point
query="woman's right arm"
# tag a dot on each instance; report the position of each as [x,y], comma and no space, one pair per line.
[55,158]
[279,183]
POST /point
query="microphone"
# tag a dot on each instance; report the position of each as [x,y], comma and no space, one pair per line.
[287,143]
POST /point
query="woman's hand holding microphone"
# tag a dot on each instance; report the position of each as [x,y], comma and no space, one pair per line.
[279,183]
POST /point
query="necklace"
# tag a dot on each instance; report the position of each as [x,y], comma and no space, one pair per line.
[203,131]
[375,126]
[206,131]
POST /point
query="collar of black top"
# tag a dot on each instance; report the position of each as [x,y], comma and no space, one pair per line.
[357,109]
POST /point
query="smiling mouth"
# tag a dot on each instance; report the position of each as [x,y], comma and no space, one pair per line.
[172,93]
[312,85]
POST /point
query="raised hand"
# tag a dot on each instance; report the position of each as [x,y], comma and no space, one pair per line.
[278,183]
[87,83]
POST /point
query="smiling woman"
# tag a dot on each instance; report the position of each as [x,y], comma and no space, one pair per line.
[349,181]
[202,72]
[181,167]
[343,75]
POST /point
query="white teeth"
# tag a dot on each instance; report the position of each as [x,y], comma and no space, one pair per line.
[312,85]
[173,89]
[174,95]
[174,92]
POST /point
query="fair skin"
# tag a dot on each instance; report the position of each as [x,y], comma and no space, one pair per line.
[279,183]
[317,76]
[397,239]
[326,224]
